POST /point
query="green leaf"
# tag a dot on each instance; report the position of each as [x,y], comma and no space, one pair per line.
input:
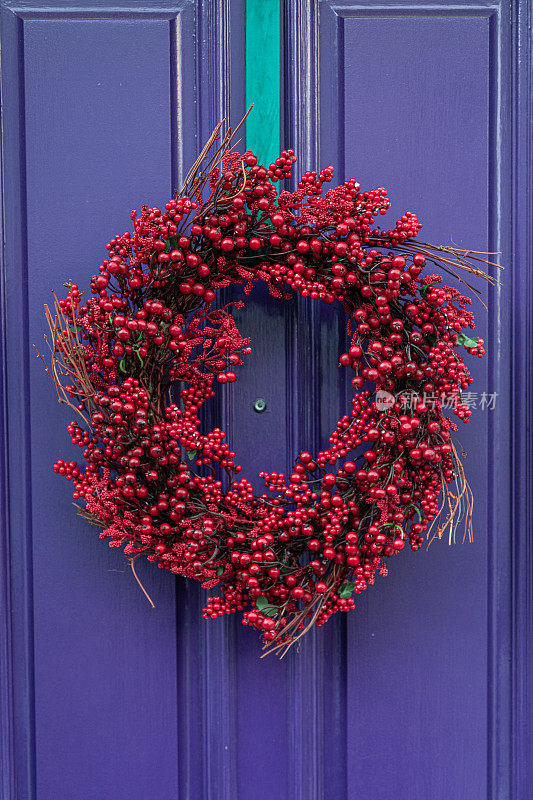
[466,341]
[412,507]
[424,289]
[121,365]
[346,590]
[191,453]
[264,606]
[220,570]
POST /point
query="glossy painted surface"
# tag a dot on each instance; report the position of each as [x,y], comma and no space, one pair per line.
[423,692]
[426,634]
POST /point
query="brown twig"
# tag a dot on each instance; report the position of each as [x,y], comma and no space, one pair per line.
[132,565]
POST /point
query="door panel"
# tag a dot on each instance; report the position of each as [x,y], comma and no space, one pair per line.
[408,98]
[100,132]
[423,131]
[97,692]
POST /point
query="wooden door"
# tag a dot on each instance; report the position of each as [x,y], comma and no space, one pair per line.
[422,692]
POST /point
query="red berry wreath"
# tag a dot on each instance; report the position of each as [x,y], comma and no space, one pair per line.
[139,357]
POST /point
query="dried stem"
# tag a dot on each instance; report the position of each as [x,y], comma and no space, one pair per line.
[67,359]
[132,565]
[460,260]
[454,504]
[280,645]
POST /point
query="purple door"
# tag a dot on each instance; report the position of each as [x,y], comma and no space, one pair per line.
[422,692]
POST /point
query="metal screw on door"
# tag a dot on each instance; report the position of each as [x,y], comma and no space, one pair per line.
[260,405]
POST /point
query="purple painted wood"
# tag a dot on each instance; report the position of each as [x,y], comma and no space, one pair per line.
[95,700]
[104,697]
[419,98]
[428,629]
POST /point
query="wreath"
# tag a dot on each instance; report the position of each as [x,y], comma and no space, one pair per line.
[139,357]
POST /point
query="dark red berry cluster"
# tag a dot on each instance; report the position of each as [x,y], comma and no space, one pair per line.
[144,351]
